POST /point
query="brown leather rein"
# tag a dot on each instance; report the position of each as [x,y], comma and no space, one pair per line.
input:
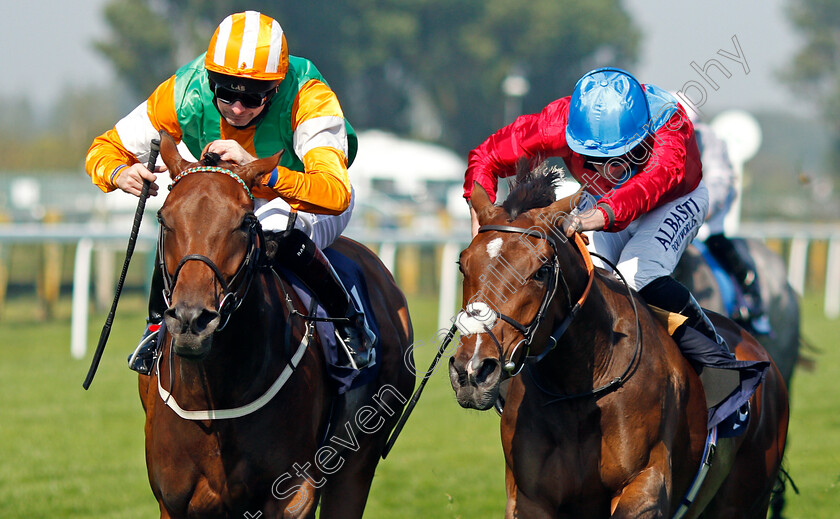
[529,330]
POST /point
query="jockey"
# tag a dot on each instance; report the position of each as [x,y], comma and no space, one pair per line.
[246,98]
[633,149]
[719,177]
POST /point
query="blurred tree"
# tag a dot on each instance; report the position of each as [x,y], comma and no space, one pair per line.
[816,68]
[68,129]
[428,68]
[17,119]
[142,45]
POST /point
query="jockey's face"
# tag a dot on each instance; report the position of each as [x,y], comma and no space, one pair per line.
[236,114]
[612,169]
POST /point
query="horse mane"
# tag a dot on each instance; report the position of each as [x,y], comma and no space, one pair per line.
[533,187]
[211,159]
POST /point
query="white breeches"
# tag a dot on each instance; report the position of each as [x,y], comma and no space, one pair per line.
[651,245]
[323,229]
[721,197]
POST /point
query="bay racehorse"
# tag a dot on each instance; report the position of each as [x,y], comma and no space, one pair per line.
[781,304]
[607,418]
[238,407]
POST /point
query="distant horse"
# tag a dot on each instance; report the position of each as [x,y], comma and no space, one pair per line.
[238,407]
[603,416]
[779,299]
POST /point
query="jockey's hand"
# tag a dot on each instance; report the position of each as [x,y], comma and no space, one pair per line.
[130,179]
[230,151]
[590,221]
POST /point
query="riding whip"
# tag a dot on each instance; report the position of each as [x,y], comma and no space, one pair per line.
[138,217]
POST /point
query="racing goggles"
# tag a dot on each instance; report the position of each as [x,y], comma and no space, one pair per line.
[590,162]
[248,99]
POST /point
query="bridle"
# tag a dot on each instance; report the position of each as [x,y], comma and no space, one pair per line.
[512,366]
[234,290]
[528,331]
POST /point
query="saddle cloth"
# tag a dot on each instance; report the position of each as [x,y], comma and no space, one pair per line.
[728,384]
[343,376]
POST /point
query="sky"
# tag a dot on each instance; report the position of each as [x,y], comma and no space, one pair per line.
[679,33]
[46,46]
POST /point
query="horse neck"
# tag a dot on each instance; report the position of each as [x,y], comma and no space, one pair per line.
[585,356]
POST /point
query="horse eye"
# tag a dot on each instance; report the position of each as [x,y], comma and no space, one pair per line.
[163,225]
[541,275]
[460,267]
[246,224]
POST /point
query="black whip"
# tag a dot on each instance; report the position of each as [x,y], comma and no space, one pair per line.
[138,217]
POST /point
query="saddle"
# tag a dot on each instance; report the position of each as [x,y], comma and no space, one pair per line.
[728,387]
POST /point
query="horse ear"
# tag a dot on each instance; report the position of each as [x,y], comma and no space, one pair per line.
[170,154]
[479,198]
[254,170]
[481,204]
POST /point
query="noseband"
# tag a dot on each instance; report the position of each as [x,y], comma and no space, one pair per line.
[231,298]
[530,329]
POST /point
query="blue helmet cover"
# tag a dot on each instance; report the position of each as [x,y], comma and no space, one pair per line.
[608,114]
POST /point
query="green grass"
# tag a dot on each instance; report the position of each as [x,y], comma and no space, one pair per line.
[67,452]
[70,453]
[813,449]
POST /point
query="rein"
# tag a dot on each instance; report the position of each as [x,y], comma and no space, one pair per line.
[617,381]
[528,331]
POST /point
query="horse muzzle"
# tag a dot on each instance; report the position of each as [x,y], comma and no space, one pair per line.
[192,329]
[475,381]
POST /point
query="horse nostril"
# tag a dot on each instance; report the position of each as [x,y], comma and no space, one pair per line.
[203,321]
[485,370]
[191,319]
[457,373]
[174,320]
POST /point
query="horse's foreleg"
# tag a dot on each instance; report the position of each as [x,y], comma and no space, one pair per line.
[520,506]
[646,497]
[510,487]
[346,497]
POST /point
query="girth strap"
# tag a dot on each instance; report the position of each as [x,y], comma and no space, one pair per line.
[700,477]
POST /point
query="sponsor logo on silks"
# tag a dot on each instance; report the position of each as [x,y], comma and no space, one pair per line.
[674,229]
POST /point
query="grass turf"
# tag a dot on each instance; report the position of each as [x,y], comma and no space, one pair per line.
[70,453]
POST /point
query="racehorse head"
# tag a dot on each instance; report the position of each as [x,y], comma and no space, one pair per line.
[520,274]
[209,243]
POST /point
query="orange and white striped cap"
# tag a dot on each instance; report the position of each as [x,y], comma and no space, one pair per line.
[249,45]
